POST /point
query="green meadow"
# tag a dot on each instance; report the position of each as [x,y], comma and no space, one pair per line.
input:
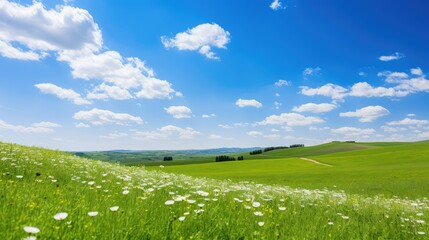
[371,191]
[390,169]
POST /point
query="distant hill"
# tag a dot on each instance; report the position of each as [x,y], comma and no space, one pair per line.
[140,156]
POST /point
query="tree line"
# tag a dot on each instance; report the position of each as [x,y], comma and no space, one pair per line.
[224,158]
[259,151]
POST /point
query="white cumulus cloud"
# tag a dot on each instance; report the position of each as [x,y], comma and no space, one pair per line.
[30,32]
[290,119]
[201,38]
[394,56]
[408,121]
[41,30]
[62,93]
[364,89]
[329,90]
[315,108]
[105,91]
[99,117]
[276,5]
[367,114]
[41,127]
[248,103]
[124,73]
[179,111]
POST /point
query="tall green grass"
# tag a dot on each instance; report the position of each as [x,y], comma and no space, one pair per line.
[37,184]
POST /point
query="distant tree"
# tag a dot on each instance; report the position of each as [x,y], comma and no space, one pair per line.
[224,158]
[296,145]
[274,148]
[254,152]
[240,158]
[168,158]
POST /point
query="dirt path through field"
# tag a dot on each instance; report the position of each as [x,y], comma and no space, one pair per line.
[316,162]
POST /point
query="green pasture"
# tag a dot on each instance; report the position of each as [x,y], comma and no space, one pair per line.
[391,169]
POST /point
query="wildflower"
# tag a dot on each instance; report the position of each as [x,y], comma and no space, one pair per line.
[282,208]
[30,238]
[421,233]
[91,183]
[19,176]
[186,213]
[169,202]
[191,201]
[258,214]
[161,166]
[261,224]
[60,216]
[29,229]
[256,204]
[201,205]
[419,214]
[125,192]
[182,218]
[114,208]
[345,217]
[92,214]
[330,223]
[420,221]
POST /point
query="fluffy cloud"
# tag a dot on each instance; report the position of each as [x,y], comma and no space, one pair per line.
[315,108]
[166,131]
[276,5]
[200,38]
[99,117]
[394,56]
[124,74]
[408,121]
[179,111]
[364,89]
[353,132]
[41,127]
[329,90]
[367,114]
[393,77]
[105,91]
[76,39]
[281,83]
[248,103]
[404,85]
[290,119]
[62,93]
[8,51]
[41,30]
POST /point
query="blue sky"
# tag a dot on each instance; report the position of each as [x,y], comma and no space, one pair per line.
[99,75]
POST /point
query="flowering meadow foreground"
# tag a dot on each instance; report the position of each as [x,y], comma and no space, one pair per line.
[48,194]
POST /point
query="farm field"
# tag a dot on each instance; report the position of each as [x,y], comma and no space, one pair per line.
[53,195]
[391,169]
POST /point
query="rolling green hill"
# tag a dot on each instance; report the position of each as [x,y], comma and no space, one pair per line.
[48,194]
[392,169]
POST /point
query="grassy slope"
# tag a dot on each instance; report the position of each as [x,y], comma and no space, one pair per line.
[36,184]
[365,168]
